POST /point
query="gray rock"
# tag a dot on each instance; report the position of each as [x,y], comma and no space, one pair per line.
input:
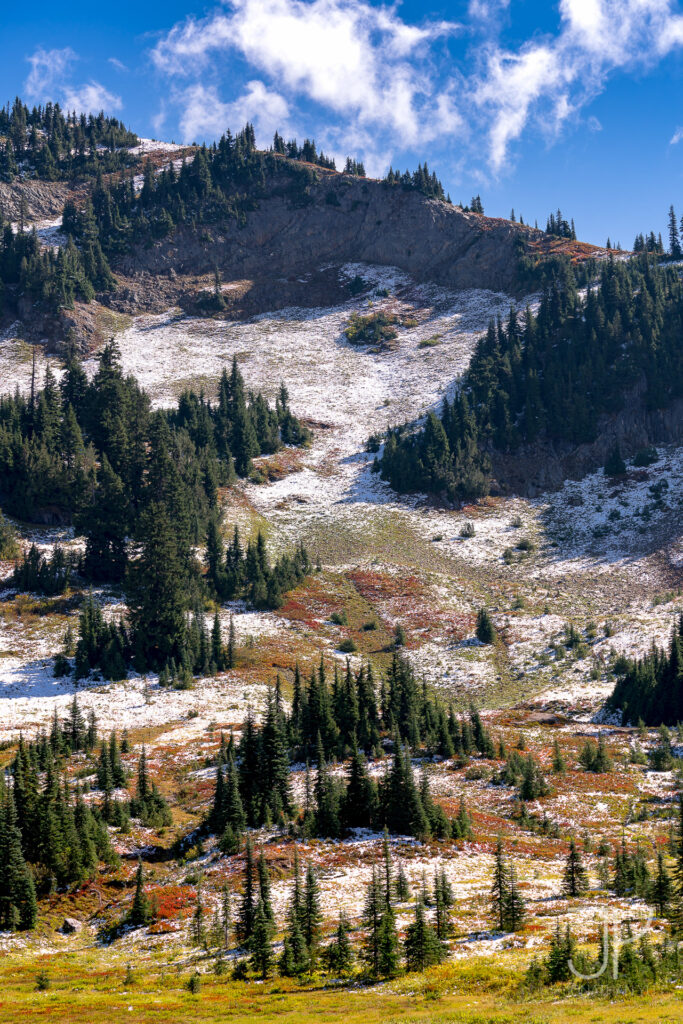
[70,926]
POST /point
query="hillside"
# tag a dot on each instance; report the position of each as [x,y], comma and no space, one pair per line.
[231,654]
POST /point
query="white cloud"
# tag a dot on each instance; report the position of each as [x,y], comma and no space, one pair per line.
[49,79]
[360,61]
[676,137]
[118,64]
[90,98]
[546,82]
[48,70]
[368,77]
[204,114]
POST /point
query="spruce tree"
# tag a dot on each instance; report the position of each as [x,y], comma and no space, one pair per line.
[311,913]
[140,912]
[676,911]
[18,906]
[486,632]
[660,888]
[245,920]
[387,945]
[339,953]
[264,891]
[514,903]
[500,888]
[422,947]
[372,917]
[260,942]
[575,877]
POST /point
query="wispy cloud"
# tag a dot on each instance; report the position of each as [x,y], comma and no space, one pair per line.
[364,73]
[548,81]
[50,79]
[676,137]
[48,71]
[356,60]
[118,64]
[203,113]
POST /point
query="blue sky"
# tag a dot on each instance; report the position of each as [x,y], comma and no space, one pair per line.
[576,103]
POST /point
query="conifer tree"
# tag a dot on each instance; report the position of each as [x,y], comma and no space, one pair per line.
[561,952]
[500,888]
[575,877]
[401,889]
[422,947]
[140,912]
[226,915]
[660,889]
[260,943]
[372,917]
[387,945]
[245,920]
[486,632]
[514,903]
[386,856]
[311,913]
[559,764]
[264,891]
[339,953]
[18,906]
[676,911]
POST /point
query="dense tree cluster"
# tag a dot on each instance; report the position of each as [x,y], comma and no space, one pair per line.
[421,180]
[50,278]
[62,838]
[223,181]
[560,227]
[344,720]
[45,143]
[36,572]
[654,244]
[549,377]
[248,574]
[95,453]
[651,688]
[307,153]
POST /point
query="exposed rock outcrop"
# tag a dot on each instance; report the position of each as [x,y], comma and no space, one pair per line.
[344,219]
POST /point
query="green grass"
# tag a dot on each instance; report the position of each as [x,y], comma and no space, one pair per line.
[86,988]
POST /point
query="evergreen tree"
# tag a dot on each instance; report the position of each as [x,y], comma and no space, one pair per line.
[486,632]
[339,953]
[387,945]
[260,943]
[500,889]
[18,907]
[247,912]
[514,903]
[372,917]
[575,877]
[140,912]
[674,240]
[311,913]
[660,889]
[422,947]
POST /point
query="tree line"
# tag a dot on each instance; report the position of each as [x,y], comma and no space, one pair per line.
[650,689]
[549,377]
[345,720]
[55,146]
[52,278]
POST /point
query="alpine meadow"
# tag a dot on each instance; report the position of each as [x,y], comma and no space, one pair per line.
[341,497]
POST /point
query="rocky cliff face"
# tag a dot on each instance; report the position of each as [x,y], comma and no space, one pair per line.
[537,468]
[344,219]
